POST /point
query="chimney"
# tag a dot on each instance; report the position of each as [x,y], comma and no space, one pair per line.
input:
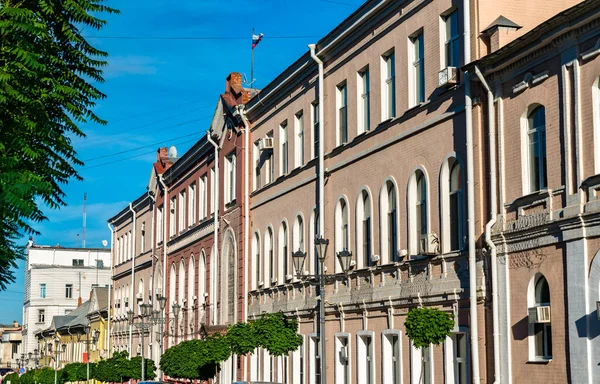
[162,153]
[233,84]
[246,96]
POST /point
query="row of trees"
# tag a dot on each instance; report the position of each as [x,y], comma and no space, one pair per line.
[119,368]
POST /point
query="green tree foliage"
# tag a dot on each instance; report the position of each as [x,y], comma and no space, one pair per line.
[12,377]
[201,359]
[47,76]
[120,368]
[75,372]
[426,326]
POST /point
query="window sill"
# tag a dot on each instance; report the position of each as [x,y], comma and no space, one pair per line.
[539,361]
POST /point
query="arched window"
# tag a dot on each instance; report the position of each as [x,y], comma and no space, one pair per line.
[256,261]
[201,278]
[269,272]
[213,283]
[313,227]
[388,217]
[456,206]
[191,282]
[536,149]
[172,285]
[298,236]
[540,328]
[364,245]
[418,210]
[342,230]
[140,294]
[283,254]
[181,286]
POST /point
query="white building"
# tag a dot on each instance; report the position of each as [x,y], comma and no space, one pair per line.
[57,279]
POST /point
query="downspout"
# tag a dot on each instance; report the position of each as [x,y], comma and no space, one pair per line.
[166,214]
[151,298]
[471,198]
[112,251]
[215,197]
[246,216]
[490,224]
[131,295]
[321,211]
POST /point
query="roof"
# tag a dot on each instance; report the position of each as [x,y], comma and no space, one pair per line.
[501,21]
[49,247]
[79,318]
[61,321]
[540,36]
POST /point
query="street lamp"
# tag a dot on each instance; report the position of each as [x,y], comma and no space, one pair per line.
[57,353]
[146,312]
[86,329]
[298,260]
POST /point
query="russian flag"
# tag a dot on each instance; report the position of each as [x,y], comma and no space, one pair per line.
[256,39]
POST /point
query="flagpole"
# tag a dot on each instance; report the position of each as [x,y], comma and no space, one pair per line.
[252,64]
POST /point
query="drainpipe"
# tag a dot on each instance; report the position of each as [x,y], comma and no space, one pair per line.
[490,224]
[166,211]
[131,295]
[151,298]
[215,197]
[321,211]
[246,215]
[471,197]
[112,251]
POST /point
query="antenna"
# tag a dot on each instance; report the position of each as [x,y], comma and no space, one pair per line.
[77,241]
[84,217]
[172,152]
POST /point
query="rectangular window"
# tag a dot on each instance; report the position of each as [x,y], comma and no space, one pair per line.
[172,222]
[182,211]
[365,360]
[388,86]
[143,238]
[160,223]
[42,291]
[77,262]
[203,197]
[342,115]
[41,316]
[364,101]
[367,247]
[270,164]
[342,360]
[421,368]
[451,40]
[230,172]
[257,181]
[391,355]
[455,353]
[417,73]
[315,125]
[299,139]
[283,153]
[192,205]
[213,190]
[314,367]
[69,291]
[99,264]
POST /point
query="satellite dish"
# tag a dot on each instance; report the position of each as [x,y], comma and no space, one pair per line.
[104,243]
[172,152]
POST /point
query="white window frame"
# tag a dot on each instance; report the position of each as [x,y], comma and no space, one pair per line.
[160,229]
[341,103]
[43,290]
[451,361]
[339,366]
[388,80]
[283,251]
[526,162]
[299,139]
[416,82]
[298,364]
[446,209]
[182,211]
[413,240]
[364,211]
[596,123]
[533,302]
[270,163]
[269,257]
[364,375]
[363,100]
[256,260]
[172,216]
[446,40]
[341,220]
[256,180]
[213,191]
[203,198]
[416,364]
[191,205]
[315,126]
[230,178]
[387,362]
[313,361]
[284,149]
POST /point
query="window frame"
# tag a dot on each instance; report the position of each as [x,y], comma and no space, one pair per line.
[342,113]
[299,139]
[365,373]
[191,205]
[387,361]
[343,371]
[388,85]
[529,164]
[363,101]
[43,290]
[68,291]
[284,149]
[315,124]
[416,68]
[449,43]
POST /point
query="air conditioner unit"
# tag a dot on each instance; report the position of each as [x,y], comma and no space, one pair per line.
[428,244]
[344,353]
[288,277]
[139,296]
[447,77]
[374,259]
[539,314]
[265,144]
[261,283]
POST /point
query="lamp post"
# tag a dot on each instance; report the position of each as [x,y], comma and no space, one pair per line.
[298,259]
[157,317]
[86,329]
[146,311]
[57,352]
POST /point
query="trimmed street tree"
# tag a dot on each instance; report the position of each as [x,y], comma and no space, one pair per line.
[47,76]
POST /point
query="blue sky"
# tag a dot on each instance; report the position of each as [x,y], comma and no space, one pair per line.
[160,90]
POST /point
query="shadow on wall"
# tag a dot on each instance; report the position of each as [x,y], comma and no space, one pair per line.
[590,320]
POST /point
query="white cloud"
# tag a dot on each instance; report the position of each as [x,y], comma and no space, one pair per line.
[130,65]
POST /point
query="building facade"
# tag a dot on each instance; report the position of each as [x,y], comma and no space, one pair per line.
[46,296]
[10,347]
[133,261]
